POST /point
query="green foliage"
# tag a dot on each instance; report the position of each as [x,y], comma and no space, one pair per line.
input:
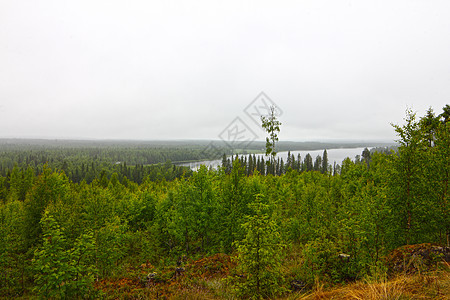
[12,249]
[418,185]
[272,126]
[50,187]
[406,179]
[320,261]
[63,272]
[324,167]
[234,202]
[111,240]
[259,254]
[115,219]
[82,267]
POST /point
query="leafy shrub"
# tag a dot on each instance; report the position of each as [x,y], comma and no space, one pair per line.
[324,262]
[63,272]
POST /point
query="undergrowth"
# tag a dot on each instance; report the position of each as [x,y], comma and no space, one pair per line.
[206,279]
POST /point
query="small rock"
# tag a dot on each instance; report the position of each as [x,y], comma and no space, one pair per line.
[344,257]
[297,285]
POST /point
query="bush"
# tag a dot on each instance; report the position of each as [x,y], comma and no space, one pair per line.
[324,262]
[63,272]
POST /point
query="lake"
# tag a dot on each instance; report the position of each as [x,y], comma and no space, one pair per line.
[334,155]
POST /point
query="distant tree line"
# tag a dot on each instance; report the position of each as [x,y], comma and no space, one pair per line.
[253,163]
[88,163]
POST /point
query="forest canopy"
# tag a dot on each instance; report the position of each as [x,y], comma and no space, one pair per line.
[71,219]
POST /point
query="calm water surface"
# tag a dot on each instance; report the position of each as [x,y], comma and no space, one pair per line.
[334,155]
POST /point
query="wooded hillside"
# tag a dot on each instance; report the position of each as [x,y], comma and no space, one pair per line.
[63,236]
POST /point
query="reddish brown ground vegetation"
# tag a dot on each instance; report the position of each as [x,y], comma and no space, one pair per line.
[165,283]
[411,259]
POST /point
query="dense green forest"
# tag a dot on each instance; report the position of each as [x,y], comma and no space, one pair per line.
[65,234]
[155,160]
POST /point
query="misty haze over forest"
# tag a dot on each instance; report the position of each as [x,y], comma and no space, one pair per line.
[152,70]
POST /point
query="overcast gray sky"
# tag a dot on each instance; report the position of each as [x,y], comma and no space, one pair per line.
[186,69]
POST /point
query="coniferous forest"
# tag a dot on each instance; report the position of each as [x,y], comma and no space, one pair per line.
[89,228]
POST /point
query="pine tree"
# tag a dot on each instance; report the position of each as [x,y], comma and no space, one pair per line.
[308,164]
[226,164]
[429,125]
[366,156]
[324,162]
[251,167]
[318,163]
[288,161]
[445,115]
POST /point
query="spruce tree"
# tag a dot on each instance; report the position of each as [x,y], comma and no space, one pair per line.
[366,156]
[318,163]
[308,164]
[324,162]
